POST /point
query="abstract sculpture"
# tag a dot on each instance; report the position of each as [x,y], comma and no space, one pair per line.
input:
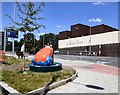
[43,57]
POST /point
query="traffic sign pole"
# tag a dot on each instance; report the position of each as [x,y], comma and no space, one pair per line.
[12,46]
[13,37]
[5,40]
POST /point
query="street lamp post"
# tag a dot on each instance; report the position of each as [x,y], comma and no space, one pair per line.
[90,42]
[42,34]
[34,45]
[43,40]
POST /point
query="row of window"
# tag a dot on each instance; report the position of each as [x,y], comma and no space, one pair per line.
[102,50]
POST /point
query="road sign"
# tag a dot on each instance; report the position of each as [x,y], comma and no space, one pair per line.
[12,34]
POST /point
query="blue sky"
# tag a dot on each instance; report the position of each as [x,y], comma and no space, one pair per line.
[59,16]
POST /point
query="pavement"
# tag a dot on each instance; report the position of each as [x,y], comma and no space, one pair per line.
[92,78]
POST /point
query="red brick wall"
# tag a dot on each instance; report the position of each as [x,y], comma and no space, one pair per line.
[79,30]
[64,35]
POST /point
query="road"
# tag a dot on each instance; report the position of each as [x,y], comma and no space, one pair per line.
[113,61]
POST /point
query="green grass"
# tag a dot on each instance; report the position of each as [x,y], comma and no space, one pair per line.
[12,60]
[0,76]
[33,80]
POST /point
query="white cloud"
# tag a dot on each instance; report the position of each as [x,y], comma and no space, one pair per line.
[58,26]
[95,20]
[98,3]
[41,34]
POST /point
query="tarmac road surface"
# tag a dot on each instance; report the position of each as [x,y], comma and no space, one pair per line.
[113,61]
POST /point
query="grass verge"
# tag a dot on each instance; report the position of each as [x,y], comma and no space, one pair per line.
[33,80]
[12,60]
[13,75]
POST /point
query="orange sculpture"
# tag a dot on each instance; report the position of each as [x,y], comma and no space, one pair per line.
[42,55]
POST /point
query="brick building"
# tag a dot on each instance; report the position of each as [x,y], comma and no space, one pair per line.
[101,39]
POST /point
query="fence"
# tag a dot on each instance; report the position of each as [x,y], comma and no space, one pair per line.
[79,55]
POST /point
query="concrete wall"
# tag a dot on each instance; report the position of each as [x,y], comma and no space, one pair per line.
[97,39]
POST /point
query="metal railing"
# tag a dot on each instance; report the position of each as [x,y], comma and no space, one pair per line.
[79,55]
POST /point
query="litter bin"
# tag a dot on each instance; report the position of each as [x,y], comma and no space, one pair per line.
[2,56]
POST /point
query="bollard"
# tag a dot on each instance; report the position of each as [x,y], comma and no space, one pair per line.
[94,57]
[67,54]
[80,55]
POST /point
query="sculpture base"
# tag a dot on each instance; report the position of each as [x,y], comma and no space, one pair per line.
[52,68]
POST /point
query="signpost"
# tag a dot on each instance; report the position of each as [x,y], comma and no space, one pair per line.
[12,35]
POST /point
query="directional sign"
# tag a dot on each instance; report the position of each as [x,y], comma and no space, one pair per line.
[12,34]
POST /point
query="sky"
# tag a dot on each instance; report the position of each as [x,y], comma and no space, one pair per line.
[59,16]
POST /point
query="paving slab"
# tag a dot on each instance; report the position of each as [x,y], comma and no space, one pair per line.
[92,78]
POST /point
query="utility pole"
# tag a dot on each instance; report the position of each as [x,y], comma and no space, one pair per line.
[42,34]
[90,41]
[43,40]
[34,45]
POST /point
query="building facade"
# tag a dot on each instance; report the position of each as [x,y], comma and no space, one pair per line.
[1,40]
[102,40]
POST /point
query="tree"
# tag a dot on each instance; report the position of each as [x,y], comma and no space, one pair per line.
[17,47]
[49,38]
[30,42]
[34,45]
[28,21]
[8,46]
[56,41]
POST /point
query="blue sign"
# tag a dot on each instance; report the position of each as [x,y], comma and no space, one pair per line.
[12,34]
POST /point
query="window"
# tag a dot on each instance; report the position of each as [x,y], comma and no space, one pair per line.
[76,28]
